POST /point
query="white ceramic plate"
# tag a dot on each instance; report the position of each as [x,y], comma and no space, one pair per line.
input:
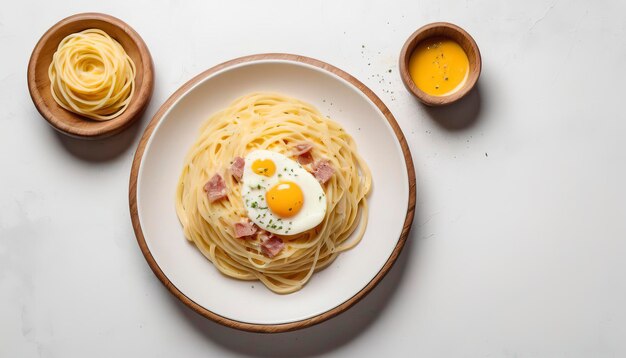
[248,304]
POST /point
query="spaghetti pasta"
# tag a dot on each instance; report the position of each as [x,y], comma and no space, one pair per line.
[91,75]
[272,122]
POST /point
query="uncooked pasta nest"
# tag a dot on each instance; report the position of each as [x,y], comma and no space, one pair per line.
[92,75]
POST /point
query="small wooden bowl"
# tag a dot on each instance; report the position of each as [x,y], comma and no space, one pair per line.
[68,122]
[450,31]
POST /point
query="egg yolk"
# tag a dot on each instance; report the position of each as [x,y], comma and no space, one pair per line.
[285,199]
[265,167]
[439,66]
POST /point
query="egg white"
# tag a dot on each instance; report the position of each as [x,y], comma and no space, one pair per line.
[255,187]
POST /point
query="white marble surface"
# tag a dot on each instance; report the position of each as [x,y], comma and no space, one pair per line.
[518,245]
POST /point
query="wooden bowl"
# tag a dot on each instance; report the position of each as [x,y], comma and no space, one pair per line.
[68,122]
[453,32]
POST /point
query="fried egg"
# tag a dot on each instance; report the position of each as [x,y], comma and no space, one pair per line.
[279,195]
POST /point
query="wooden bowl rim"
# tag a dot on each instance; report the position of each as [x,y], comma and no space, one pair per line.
[141,96]
[407,50]
[283,327]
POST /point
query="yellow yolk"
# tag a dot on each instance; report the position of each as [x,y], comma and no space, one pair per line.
[265,167]
[438,66]
[285,199]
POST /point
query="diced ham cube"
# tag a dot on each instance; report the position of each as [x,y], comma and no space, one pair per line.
[215,188]
[302,148]
[323,171]
[271,245]
[244,228]
[306,158]
[236,168]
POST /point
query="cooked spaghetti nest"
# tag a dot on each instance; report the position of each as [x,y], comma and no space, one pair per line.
[91,75]
[274,122]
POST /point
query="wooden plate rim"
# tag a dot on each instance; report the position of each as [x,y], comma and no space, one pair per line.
[138,104]
[290,326]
